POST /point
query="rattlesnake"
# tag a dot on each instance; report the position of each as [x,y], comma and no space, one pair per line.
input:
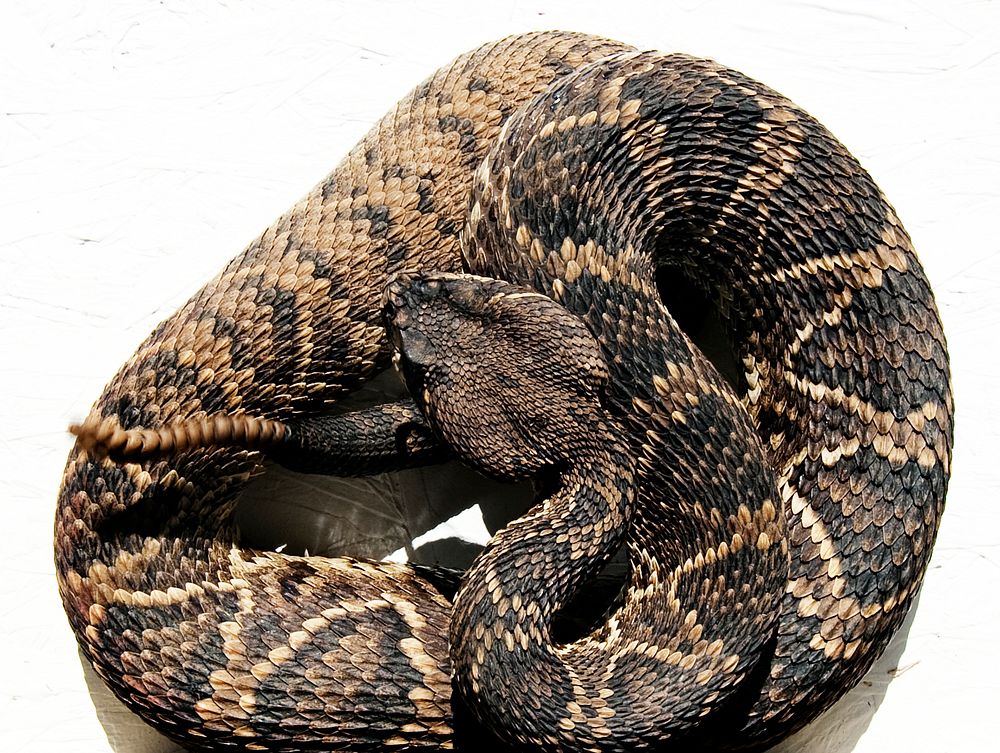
[600,177]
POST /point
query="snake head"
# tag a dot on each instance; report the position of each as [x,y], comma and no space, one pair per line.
[505,375]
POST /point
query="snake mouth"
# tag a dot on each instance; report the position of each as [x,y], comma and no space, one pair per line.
[412,309]
[406,294]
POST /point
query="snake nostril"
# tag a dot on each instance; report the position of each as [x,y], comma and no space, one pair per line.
[399,320]
[397,287]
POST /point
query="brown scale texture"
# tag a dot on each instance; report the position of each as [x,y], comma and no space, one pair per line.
[663,162]
[637,165]
[692,623]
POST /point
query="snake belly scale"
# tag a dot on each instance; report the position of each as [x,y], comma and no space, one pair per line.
[576,167]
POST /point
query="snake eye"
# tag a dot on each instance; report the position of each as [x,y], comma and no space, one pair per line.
[426,289]
[466,296]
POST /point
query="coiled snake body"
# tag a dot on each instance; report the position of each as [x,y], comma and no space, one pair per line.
[776,538]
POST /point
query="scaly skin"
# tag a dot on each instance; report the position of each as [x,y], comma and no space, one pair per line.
[638,164]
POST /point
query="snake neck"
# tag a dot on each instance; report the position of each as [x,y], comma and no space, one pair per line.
[550,553]
[502,649]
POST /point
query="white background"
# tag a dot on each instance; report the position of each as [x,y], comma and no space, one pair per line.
[143,143]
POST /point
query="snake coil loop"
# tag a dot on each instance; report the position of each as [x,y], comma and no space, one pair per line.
[776,532]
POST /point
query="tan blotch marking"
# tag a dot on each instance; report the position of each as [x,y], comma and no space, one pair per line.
[829,318]
[866,266]
[778,153]
[835,608]
[896,440]
[104,581]
[681,389]
[589,707]
[234,689]
[756,374]
[432,699]
[761,527]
